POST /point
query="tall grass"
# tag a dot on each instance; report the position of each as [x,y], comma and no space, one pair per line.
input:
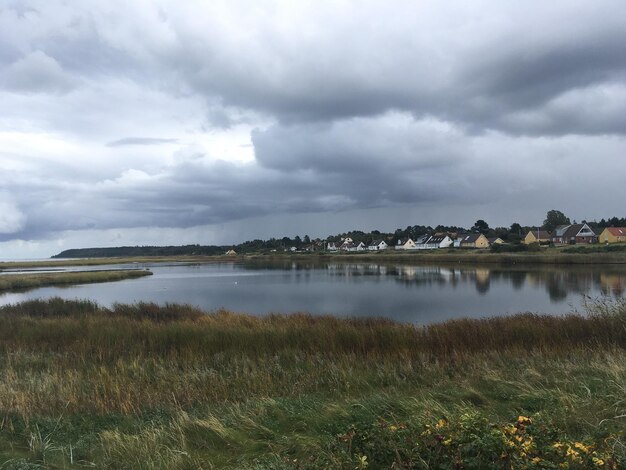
[31,281]
[149,386]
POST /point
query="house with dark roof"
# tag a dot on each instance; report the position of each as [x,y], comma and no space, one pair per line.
[473,240]
[377,245]
[574,233]
[495,240]
[613,235]
[438,240]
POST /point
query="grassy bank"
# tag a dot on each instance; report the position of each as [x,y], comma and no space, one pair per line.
[553,256]
[31,281]
[582,255]
[143,386]
[56,263]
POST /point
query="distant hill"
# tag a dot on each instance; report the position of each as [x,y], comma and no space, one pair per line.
[125,251]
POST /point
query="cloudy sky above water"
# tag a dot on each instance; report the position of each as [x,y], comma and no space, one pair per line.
[167,122]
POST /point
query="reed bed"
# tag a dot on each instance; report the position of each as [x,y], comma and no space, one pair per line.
[31,281]
[149,386]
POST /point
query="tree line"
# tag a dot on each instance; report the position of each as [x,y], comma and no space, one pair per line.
[513,234]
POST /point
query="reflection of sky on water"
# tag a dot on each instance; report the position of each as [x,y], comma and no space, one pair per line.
[418,294]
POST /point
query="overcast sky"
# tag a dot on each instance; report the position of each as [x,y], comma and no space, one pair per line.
[168,122]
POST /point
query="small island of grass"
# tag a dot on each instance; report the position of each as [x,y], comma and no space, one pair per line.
[34,280]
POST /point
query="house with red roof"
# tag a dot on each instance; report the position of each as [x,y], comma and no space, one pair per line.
[613,235]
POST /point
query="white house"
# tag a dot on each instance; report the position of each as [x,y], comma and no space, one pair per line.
[439,241]
[406,244]
[377,245]
[433,242]
[420,243]
[356,246]
[333,246]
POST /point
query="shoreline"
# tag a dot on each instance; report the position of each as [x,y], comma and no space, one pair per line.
[549,257]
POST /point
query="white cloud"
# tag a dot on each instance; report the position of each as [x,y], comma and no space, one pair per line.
[12,220]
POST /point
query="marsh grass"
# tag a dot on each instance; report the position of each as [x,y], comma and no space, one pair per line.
[31,281]
[148,386]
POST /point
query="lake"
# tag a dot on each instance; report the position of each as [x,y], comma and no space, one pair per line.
[409,293]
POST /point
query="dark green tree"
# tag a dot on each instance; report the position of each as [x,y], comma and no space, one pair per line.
[555,218]
[480,226]
[516,229]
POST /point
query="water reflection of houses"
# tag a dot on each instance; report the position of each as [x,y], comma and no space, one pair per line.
[356,269]
[561,282]
[613,283]
[418,275]
[558,282]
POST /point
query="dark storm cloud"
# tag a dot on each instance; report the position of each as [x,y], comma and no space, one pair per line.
[455,108]
[502,62]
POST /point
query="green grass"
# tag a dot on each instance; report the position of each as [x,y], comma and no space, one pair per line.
[554,256]
[31,281]
[147,386]
[578,255]
[4,265]
[596,248]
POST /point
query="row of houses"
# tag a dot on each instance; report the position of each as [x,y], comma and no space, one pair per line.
[347,244]
[576,234]
[562,235]
[426,242]
[442,240]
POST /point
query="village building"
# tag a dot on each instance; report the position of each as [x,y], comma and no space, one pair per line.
[572,234]
[613,235]
[405,244]
[231,253]
[357,247]
[537,236]
[333,246]
[377,245]
[433,242]
[474,240]
[495,241]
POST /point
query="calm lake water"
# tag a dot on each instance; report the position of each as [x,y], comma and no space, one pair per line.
[407,293]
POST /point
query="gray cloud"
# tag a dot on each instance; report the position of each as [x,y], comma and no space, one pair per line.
[37,73]
[140,141]
[455,110]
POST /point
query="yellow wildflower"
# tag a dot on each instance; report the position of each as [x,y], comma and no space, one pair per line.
[598,462]
[440,424]
[535,460]
[510,429]
[581,446]
[572,454]
[447,442]
[528,445]
[523,420]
